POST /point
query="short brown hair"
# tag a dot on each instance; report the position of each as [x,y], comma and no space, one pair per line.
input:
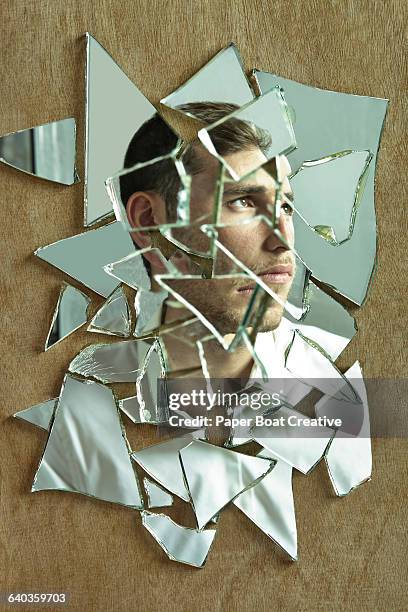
[155,138]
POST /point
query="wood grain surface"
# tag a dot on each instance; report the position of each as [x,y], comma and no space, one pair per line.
[353,551]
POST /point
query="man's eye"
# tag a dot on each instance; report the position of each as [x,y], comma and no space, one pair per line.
[240,204]
[287,208]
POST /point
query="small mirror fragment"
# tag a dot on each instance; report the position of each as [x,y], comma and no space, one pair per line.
[71,312]
[179,543]
[113,318]
[45,151]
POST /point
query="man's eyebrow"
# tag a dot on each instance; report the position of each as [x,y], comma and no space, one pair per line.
[240,190]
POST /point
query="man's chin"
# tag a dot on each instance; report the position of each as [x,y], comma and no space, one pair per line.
[229,323]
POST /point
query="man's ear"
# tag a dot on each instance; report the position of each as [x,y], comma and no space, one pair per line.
[146,209]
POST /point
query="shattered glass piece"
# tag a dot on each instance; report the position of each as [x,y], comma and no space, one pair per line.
[137,178]
[148,308]
[113,317]
[222,79]
[285,441]
[161,462]
[116,362]
[328,192]
[83,256]
[214,476]
[269,504]
[147,383]
[328,121]
[86,450]
[348,458]
[45,151]
[71,312]
[115,110]
[306,359]
[179,543]
[325,322]
[268,115]
[131,407]
[39,415]
[131,270]
[156,496]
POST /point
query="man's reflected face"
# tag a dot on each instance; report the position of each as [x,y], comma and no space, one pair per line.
[224,301]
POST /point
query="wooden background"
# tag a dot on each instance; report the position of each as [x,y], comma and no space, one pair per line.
[353,550]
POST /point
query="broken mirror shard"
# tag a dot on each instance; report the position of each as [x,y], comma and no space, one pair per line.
[179,543]
[148,383]
[146,406]
[116,362]
[115,110]
[286,442]
[328,122]
[269,504]
[214,476]
[267,115]
[222,79]
[306,359]
[301,446]
[161,462]
[131,270]
[113,317]
[148,308]
[83,256]
[326,322]
[86,450]
[131,407]
[45,151]
[348,458]
[156,496]
[39,415]
[328,192]
[71,312]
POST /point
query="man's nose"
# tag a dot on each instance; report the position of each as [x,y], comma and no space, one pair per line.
[279,237]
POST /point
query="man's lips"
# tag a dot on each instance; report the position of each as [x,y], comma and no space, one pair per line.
[278,275]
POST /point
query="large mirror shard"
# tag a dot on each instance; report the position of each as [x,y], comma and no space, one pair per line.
[45,151]
[156,496]
[161,462]
[270,505]
[328,193]
[222,79]
[83,256]
[116,362]
[327,122]
[115,110]
[214,476]
[180,543]
[86,450]
[300,446]
[71,312]
[268,116]
[39,415]
[348,458]
[113,317]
